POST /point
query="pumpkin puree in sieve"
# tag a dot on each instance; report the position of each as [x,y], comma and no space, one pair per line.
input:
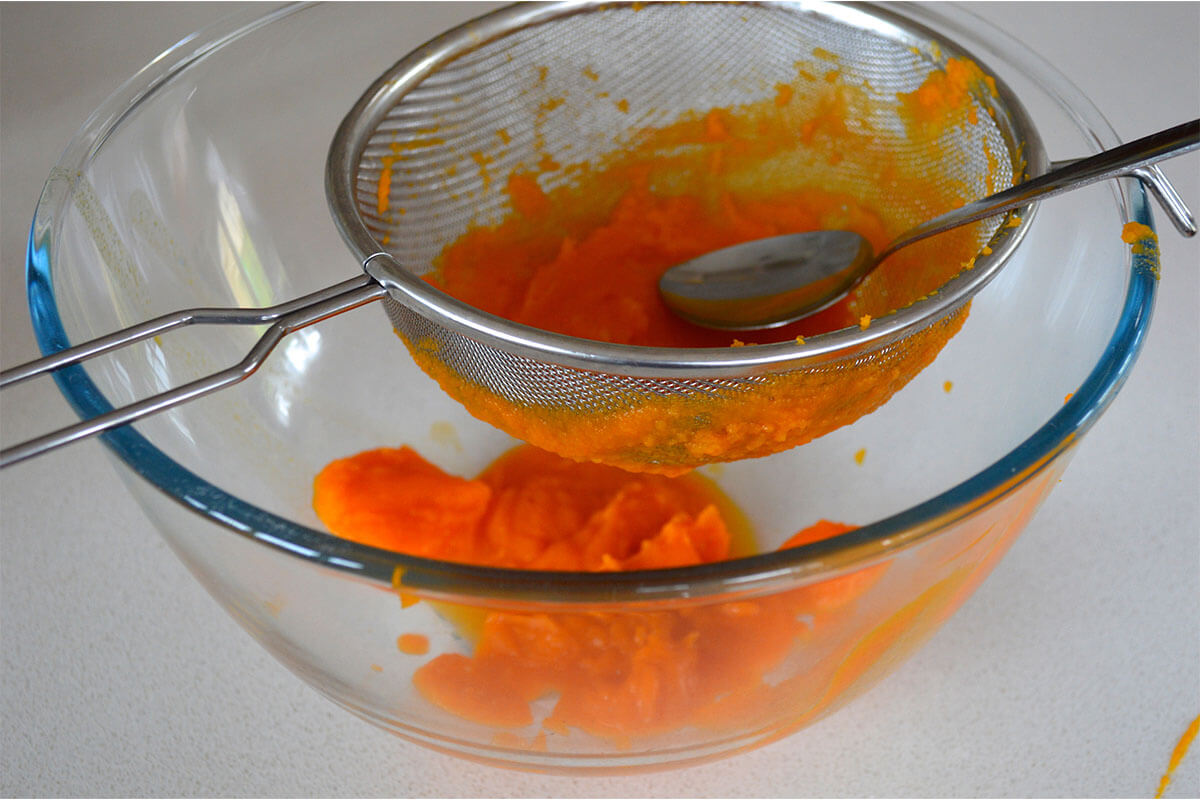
[614,674]
[583,247]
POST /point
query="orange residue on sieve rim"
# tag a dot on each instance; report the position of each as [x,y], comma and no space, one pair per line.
[420,139]
[384,189]
[483,161]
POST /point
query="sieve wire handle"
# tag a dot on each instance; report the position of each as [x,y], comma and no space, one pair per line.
[1133,159]
[282,319]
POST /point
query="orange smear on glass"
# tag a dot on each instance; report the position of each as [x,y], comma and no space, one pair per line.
[412,644]
[1140,236]
[1142,241]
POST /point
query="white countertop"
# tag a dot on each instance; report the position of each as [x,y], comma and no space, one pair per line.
[1073,671]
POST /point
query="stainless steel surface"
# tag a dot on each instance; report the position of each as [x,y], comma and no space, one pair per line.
[1162,190]
[765,283]
[770,282]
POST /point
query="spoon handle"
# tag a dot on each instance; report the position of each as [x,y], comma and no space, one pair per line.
[1118,162]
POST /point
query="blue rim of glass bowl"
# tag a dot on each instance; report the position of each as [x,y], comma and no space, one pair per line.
[751,574]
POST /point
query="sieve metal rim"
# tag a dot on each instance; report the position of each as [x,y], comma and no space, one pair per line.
[408,289]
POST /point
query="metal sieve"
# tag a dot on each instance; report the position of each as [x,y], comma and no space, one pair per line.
[418,161]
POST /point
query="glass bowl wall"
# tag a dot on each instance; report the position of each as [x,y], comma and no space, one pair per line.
[200,183]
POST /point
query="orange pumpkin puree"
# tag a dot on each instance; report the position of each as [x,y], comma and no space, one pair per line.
[945,97]
[412,644]
[1142,241]
[529,510]
[583,259]
[1139,235]
[614,674]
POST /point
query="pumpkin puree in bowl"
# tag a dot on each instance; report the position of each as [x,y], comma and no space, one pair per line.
[615,674]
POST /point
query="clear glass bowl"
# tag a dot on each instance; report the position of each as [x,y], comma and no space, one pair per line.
[200,182]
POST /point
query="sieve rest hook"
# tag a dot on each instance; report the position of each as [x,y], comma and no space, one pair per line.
[1172,204]
[283,319]
[1160,188]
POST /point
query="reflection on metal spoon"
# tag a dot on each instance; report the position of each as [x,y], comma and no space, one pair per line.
[770,282]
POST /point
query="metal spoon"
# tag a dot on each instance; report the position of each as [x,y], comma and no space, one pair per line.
[770,282]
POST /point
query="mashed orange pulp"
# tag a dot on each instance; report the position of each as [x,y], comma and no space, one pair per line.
[528,510]
[602,282]
[583,259]
[611,673]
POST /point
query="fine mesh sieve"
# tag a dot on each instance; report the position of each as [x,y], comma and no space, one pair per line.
[422,158]
[423,155]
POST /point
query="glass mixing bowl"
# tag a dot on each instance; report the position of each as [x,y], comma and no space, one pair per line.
[200,183]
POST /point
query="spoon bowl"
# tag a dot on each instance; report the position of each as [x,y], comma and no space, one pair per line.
[766,283]
[769,282]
